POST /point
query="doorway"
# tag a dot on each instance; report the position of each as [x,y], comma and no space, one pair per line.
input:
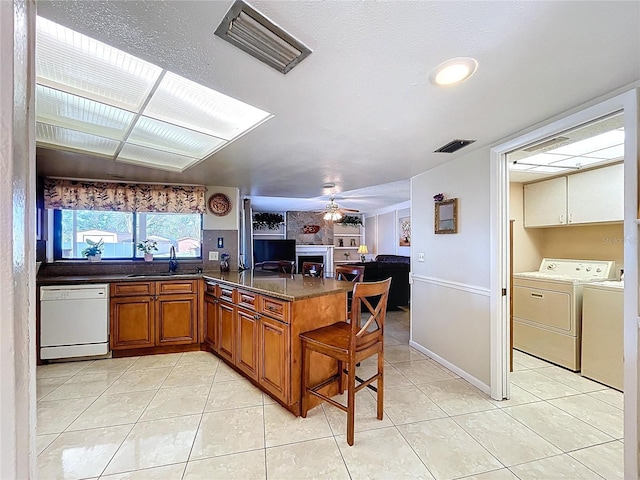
[501,291]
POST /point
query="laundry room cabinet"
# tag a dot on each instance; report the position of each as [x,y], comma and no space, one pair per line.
[594,196]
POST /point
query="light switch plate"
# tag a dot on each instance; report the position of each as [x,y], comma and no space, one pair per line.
[213,255]
[421,257]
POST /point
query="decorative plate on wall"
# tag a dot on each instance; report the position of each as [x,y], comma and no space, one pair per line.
[219,204]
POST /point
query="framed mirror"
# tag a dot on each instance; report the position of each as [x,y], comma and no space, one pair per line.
[446,216]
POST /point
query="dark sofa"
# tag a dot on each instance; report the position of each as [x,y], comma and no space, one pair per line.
[394,266]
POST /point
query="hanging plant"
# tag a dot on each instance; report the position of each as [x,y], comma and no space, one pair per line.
[350,221]
[267,221]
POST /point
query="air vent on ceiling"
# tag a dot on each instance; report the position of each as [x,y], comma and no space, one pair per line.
[254,33]
[453,146]
[545,144]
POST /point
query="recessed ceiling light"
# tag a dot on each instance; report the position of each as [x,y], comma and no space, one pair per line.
[453,71]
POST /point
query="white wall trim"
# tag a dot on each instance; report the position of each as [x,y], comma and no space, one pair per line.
[458,371]
[485,292]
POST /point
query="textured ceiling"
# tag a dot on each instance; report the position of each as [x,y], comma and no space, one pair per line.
[359,111]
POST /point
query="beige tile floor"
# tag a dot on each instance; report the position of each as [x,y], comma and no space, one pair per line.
[189,416]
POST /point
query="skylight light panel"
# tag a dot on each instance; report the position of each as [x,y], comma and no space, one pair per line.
[73,62]
[543,159]
[194,106]
[579,162]
[77,113]
[171,138]
[608,153]
[592,144]
[50,136]
[149,157]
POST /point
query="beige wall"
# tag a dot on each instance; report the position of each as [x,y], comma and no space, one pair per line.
[450,311]
[596,242]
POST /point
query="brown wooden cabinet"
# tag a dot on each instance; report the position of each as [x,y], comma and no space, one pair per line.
[176,319]
[247,351]
[153,314]
[210,321]
[275,357]
[132,324]
[227,331]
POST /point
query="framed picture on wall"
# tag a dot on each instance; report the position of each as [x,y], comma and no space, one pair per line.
[405,231]
[446,216]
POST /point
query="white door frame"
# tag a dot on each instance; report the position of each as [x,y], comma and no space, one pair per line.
[499,204]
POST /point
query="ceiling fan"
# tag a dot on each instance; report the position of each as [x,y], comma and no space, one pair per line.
[333,211]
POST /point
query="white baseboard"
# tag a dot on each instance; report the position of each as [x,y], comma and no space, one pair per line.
[458,371]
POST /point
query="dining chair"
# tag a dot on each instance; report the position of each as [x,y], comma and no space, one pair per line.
[313,269]
[286,266]
[350,343]
[352,273]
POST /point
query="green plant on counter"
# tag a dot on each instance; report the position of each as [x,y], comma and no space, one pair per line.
[147,246]
[93,248]
[350,221]
[267,221]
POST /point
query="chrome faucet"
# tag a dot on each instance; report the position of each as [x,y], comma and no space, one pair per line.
[173,262]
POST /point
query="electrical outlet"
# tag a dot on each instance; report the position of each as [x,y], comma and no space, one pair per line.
[213,255]
[421,257]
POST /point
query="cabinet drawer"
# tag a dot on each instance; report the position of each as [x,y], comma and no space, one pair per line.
[131,288]
[248,299]
[225,293]
[177,286]
[211,288]
[275,308]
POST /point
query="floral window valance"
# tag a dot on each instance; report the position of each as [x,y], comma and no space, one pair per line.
[123,197]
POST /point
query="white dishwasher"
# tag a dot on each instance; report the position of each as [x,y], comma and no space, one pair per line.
[74,320]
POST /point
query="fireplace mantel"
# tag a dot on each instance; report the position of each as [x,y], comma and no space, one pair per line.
[326,251]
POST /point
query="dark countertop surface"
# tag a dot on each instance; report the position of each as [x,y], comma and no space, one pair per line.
[280,285]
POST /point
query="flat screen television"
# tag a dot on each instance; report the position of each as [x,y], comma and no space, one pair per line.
[273,250]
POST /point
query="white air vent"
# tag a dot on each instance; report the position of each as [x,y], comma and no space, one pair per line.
[254,33]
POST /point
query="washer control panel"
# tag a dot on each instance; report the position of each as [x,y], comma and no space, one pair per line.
[580,269]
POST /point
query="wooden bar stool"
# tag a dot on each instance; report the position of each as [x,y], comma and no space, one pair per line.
[350,343]
[352,273]
[313,269]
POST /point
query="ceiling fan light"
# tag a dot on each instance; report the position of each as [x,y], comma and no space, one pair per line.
[332,215]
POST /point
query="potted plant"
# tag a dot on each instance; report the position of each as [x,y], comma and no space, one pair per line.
[148,247]
[267,221]
[93,251]
[350,221]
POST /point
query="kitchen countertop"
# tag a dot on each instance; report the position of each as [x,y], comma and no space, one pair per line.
[280,285]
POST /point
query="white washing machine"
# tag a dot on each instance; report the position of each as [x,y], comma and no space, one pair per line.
[602,333]
[547,308]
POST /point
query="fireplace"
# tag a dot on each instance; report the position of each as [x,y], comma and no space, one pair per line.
[315,253]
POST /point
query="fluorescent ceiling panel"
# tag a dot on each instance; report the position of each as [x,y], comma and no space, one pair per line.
[608,153]
[66,139]
[543,159]
[149,157]
[88,92]
[171,138]
[194,106]
[577,162]
[78,113]
[79,64]
[592,144]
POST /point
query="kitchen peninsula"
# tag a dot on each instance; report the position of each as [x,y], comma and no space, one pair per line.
[251,320]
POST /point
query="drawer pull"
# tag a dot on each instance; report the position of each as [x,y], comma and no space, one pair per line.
[537,295]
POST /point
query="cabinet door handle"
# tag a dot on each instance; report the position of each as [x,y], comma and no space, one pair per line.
[537,295]
[562,218]
[571,218]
